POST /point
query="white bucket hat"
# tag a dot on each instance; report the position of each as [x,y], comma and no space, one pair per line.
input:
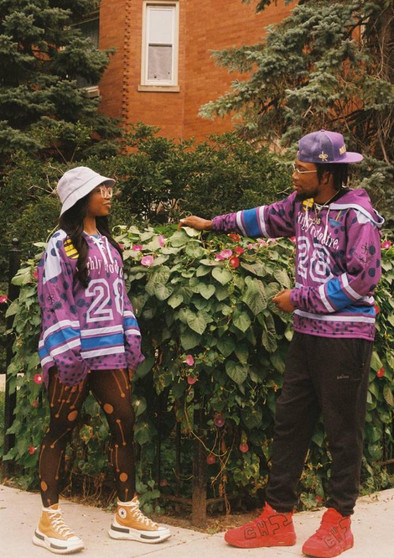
[77,183]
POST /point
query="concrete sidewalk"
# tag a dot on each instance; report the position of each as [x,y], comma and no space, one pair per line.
[372,524]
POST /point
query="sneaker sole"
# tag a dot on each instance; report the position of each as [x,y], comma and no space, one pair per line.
[261,542]
[150,537]
[45,542]
[325,553]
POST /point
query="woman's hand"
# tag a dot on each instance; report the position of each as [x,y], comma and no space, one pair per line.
[283,302]
[197,223]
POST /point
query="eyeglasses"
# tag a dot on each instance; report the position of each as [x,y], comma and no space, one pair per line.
[298,171]
[105,191]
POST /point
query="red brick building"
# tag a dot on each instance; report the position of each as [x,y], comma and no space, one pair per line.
[162,71]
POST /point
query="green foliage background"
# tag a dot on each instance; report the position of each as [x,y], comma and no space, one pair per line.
[327,65]
[189,304]
[158,180]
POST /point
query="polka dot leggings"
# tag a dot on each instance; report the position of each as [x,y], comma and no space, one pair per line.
[111,388]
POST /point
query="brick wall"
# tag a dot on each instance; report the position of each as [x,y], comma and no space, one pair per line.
[205,25]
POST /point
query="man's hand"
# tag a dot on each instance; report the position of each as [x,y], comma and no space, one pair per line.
[195,222]
[283,302]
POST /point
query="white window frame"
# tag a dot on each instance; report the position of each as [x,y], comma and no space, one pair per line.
[91,90]
[159,85]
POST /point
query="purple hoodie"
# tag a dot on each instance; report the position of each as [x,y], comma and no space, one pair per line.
[337,263]
[85,328]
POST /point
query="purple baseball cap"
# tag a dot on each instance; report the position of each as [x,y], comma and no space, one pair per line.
[325,147]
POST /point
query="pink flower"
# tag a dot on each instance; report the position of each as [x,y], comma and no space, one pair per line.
[191,380]
[224,255]
[147,261]
[386,244]
[244,448]
[161,240]
[32,450]
[137,247]
[189,360]
[377,309]
[3,298]
[293,239]
[121,246]
[234,261]
[219,420]
[238,250]
[38,378]
[234,237]
[380,373]
[211,459]
[35,274]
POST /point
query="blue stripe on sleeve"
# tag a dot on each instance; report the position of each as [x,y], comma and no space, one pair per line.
[366,310]
[336,296]
[42,353]
[250,222]
[61,337]
[130,323]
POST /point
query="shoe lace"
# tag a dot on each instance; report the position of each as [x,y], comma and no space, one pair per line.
[140,516]
[59,525]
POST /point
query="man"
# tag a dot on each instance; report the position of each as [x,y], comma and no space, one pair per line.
[337,269]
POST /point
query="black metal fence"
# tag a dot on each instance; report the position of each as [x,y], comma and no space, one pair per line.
[10,398]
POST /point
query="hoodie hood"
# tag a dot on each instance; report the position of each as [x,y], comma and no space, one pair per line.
[360,201]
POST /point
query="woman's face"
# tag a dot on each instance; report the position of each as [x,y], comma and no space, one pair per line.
[99,203]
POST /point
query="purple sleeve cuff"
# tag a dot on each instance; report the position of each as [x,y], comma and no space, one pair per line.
[225,223]
[295,297]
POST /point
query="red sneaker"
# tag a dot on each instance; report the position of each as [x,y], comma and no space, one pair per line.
[332,538]
[271,528]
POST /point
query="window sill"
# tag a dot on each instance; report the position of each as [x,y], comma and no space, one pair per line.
[159,88]
[92,91]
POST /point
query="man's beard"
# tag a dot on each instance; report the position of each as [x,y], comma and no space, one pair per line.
[301,197]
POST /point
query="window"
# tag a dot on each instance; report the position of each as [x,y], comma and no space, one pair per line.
[89,28]
[160,44]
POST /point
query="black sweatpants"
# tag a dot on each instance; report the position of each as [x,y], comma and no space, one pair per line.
[326,376]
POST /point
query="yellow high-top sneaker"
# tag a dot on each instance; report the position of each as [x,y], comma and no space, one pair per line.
[52,533]
[130,523]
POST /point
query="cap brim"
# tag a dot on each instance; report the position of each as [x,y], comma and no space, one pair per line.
[351,157]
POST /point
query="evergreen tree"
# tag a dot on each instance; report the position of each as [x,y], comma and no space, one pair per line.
[47,119]
[327,65]
[42,55]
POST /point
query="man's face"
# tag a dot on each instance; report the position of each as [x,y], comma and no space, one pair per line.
[305,181]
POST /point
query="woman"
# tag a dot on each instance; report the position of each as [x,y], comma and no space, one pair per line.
[90,341]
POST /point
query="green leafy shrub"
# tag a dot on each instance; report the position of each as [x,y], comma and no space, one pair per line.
[215,349]
[158,180]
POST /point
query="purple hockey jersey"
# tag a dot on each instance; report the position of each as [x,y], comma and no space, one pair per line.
[337,263]
[85,328]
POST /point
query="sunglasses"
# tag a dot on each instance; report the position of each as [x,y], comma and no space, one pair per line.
[298,171]
[105,191]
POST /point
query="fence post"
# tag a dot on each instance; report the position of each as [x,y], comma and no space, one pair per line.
[199,497]
[10,398]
